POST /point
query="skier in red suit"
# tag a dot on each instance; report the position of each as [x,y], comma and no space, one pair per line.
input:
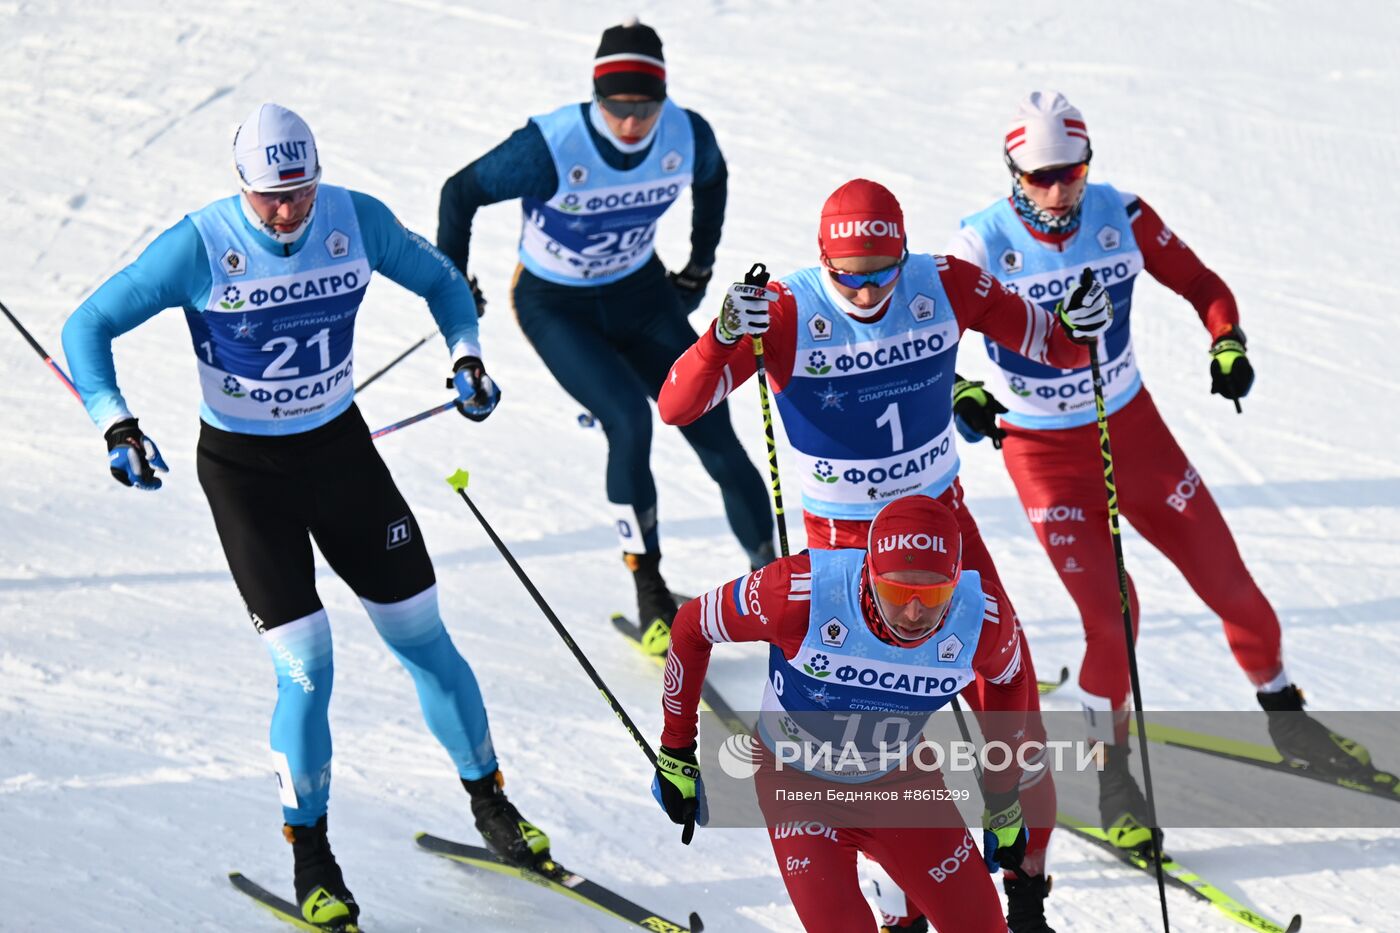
[1038,242]
[860,352]
[904,628]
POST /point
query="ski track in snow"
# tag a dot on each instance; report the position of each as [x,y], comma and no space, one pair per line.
[134,695]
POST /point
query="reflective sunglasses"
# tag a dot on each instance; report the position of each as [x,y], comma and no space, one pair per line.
[622,109]
[877,279]
[296,195]
[1049,177]
[931,595]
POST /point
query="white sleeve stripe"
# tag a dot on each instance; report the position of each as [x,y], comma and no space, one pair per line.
[723,387]
[712,616]
[1028,334]
[1012,668]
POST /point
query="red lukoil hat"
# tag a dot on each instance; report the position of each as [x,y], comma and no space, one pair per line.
[915,533]
[861,218]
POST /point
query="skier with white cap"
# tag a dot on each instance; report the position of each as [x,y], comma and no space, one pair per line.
[1038,242]
[271,280]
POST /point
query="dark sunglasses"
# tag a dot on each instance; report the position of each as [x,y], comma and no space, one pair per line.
[622,109]
[877,279]
[1049,177]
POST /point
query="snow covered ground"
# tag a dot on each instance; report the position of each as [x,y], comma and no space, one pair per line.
[134,696]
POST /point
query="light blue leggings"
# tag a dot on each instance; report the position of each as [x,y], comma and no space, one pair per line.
[301,735]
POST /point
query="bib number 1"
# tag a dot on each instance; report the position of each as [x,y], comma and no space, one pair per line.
[891,418]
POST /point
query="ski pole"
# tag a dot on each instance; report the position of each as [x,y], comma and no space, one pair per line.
[458,481]
[1111,489]
[395,361]
[48,360]
[758,275]
[414,419]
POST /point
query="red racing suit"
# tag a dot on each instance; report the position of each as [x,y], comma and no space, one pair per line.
[706,373]
[1058,476]
[939,868]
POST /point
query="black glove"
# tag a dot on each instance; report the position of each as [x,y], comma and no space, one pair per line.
[1230,372]
[1088,312]
[477,296]
[131,456]
[477,393]
[1004,833]
[689,284]
[975,411]
[677,785]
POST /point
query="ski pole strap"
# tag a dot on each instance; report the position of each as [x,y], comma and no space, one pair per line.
[758,275]
[48,360]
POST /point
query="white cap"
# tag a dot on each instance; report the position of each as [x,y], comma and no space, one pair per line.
[1047,130]
[274,149]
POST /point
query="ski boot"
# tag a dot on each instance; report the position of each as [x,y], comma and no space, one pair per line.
[1121,804]
[507,833]
[762,556]
[1306,743]
[325,900]
[656,607]
[1025,903]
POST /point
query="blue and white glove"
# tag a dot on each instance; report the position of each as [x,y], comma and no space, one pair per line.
[477,393]
[132,455]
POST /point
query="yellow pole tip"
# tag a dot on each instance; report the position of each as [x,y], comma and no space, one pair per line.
[458,480]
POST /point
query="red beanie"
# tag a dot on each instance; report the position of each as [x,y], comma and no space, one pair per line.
[915,533]
[861,218]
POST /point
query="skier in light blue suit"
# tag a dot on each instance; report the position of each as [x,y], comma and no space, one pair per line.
[270,281]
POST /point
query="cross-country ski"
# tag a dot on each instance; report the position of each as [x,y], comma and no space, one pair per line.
[909,468]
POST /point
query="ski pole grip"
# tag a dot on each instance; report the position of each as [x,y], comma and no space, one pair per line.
[757,275]
[688,833]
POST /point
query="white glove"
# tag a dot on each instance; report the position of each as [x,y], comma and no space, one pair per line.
[745,312]
[1089,310]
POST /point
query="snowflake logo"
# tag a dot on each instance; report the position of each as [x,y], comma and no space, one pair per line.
[245,329]
[232,387]
[824,472]
[830,398]
[818,666]
[817,364]
[1018,385]
[233,299]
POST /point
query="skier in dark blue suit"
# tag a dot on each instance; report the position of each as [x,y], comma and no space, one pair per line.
[591,295]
